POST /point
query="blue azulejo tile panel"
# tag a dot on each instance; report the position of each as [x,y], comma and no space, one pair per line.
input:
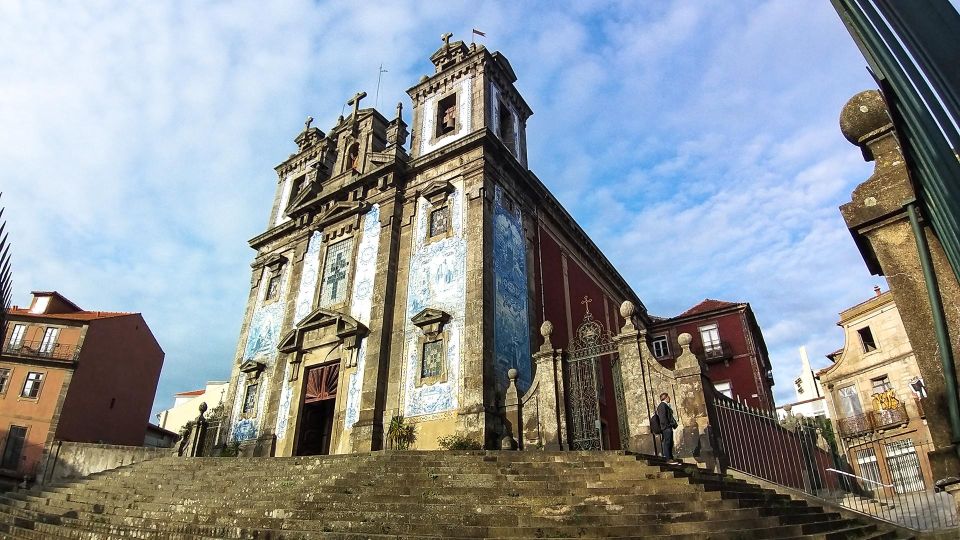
[437,280]
[264,331]
[511,327]
[309,276]
[286,396]
[361,303]
[247,426]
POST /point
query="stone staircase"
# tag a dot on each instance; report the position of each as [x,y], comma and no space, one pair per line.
[416,494]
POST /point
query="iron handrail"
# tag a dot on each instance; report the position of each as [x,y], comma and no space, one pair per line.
[860,478]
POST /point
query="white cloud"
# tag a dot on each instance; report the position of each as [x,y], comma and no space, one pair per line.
[697,143]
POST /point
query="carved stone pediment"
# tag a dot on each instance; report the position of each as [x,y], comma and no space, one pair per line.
[274,262]
[340,210]
[252,369]
[307,194]
[430,321]
[320,327]
[437,191]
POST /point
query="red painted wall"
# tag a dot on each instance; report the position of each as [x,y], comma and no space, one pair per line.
[744,366]
[550,304]
[112,391]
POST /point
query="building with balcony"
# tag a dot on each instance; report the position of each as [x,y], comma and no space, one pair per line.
[875,393]
[73,375]
[727,337]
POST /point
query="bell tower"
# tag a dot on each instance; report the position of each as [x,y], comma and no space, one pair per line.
[470,90]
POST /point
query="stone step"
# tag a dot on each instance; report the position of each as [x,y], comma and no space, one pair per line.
[418,494]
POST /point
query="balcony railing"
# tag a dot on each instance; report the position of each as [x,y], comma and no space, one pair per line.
[36,349]
[713,352]
[869,421]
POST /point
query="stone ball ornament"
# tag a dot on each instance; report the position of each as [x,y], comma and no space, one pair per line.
[203,407]
[546,329]
[684,339]
[863,114]
[627,309]
[512,374]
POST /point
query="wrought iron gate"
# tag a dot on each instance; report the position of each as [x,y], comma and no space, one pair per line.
[589,344]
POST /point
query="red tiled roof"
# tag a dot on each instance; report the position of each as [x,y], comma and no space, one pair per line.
[77,316]
[190,393]
[708,304]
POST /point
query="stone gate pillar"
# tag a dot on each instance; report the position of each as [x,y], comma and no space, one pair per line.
[694,439]
[630,343]
[544,404]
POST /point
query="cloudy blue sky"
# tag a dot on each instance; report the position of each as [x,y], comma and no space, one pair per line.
[696,142]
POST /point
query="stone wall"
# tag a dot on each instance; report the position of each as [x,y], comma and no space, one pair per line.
[70,460]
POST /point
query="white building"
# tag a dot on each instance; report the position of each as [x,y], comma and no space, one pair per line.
[810,401]
[186,405]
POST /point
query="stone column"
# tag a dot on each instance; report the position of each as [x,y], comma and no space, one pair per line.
[692,409]
[636,400]
[879,222]
[511,414]
[544,404]
[367,433]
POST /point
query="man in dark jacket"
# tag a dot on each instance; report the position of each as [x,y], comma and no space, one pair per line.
[667,423]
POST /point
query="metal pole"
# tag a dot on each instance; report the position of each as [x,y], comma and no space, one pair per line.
[939,325]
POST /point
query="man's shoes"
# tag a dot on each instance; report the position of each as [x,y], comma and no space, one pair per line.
[674,462]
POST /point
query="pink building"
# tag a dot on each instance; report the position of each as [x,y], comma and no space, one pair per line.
[73,375]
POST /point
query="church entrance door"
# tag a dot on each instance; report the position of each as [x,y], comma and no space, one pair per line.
[317,412]
[589,345]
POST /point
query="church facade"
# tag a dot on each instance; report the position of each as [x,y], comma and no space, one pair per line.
[394,282]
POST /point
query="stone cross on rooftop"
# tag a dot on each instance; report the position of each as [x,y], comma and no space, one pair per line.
[306,125]
[355,102]
[446,39]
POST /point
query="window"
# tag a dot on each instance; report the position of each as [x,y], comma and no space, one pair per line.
[335,272]
[13,448]
[447,115]
[881,384]
[867,460]
[506,127]
[31,386]
[4,380]
[250,399]
[724,388]
[849,401]
[273,287]
[49,342]
[710,337]
[431,364]
[660,347]
[439,221]
[904,466]
[866,339]
[16,336]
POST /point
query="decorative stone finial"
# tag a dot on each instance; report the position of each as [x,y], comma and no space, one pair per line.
[627,309]
[684,339]
[546,329]
[512,374]
[203,407]
[865,113]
